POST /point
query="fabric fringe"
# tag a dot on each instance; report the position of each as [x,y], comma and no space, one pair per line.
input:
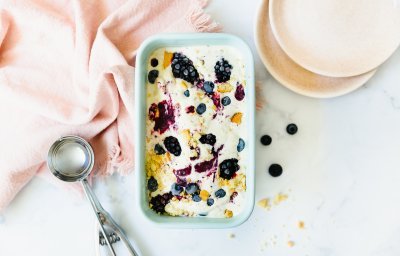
[260,101]
[202,21]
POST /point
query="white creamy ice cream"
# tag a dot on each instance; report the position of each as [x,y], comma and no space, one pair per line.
[183,180]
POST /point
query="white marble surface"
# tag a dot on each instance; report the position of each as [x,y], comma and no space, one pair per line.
[341,173]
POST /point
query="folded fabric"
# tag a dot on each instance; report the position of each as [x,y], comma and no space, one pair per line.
[67,68]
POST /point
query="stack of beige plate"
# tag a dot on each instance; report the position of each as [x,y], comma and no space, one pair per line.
[326,48]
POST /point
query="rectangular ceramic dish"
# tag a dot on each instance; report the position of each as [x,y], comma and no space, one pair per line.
[179,40]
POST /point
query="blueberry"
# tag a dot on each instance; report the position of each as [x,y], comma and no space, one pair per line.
[196,198]
[154,62]
[220,193]
[265,140]
[201,108]
[208,87]
[291,129]
[275,170]
[176,189]
[159,149]
[210,201]
[152,76]
[186,93]
[226,101]
[192,188]
[240,145]
[152,184]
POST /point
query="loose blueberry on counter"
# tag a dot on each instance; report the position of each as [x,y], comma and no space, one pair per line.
[186,93]
[210,201]
[154,62]
[176,189]
[228,168]
[152,184]
[241,144]
[291,129]
[209,139]
[275,170]
[152,76]
[182,67]
[220,193]
[208,87]
[192,188]
[226,101]
[196,198]
[222,70]
[265,140]
[159,149]
[201,108]
[172,145]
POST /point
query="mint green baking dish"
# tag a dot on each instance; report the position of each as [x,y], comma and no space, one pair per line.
[177,40]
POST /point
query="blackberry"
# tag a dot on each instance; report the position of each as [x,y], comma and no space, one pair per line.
[152,76]
[220,193]
[159,149]
[209,139]
[152,184]
[159,202]
[201,108]
[182,67]
[208,87]
[226,101]
[172,145]
[222,70]
[228,168]
[241,144]
[192,188]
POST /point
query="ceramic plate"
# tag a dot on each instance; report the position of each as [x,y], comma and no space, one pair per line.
[290,74]
[337,38]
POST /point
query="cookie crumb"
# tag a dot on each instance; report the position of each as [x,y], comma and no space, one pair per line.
[290,243]
[279,198]
[264,203]
[231,235]
[300,224]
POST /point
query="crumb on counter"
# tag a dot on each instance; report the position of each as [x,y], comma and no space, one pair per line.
[264,203]
[279,198]
[290,243]
[300,224]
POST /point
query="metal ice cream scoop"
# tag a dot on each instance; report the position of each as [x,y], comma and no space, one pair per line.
[71,159]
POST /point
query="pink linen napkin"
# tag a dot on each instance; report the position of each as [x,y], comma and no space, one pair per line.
[67,68]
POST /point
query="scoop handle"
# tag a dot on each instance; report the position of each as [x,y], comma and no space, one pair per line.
[94,202]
